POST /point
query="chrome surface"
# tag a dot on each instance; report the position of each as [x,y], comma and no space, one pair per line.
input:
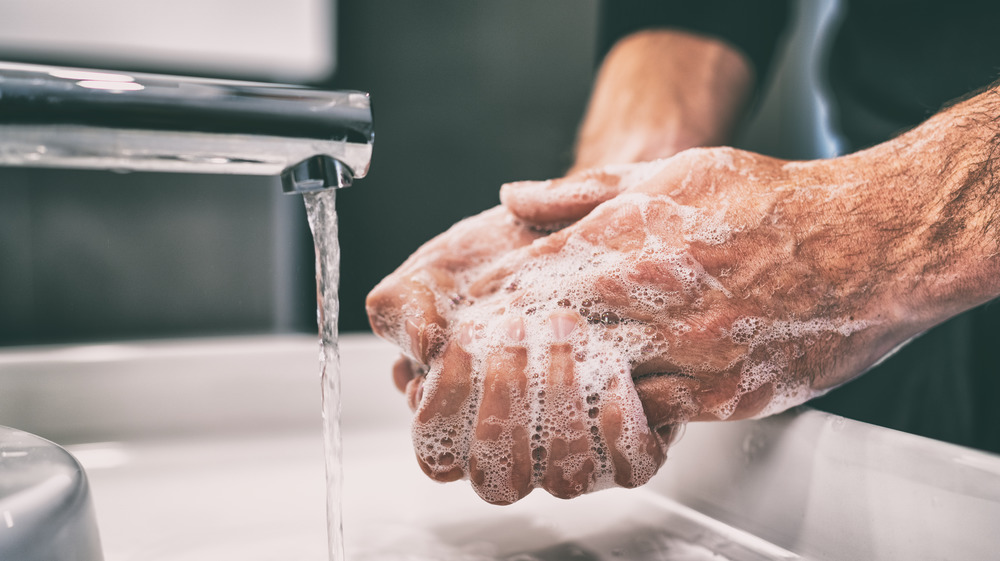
[46,513]
[81,118]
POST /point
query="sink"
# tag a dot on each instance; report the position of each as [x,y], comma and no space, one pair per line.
[211,449]
[46,513]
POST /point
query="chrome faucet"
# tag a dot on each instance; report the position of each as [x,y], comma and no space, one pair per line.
[71,117]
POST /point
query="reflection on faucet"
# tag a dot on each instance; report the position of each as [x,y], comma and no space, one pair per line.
[66,117]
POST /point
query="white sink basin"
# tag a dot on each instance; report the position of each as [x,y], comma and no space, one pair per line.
[262,499]
[46,513]
[211,450]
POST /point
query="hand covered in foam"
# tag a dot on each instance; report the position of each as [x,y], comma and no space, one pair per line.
[711,285]
[412,306]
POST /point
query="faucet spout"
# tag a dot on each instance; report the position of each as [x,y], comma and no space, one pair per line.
[71,117]
[315,174]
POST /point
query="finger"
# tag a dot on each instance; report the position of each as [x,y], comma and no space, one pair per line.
[494,231]
[500,274]
[693,375]
[414,392]
[499,458]
[404,310]
[673,397]
[668,399]
[568,458]
[403,370]
[441,430]
[753,402]
[634,450]
[568,199]
[560,201]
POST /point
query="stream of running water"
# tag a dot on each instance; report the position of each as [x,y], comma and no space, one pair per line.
[322,214]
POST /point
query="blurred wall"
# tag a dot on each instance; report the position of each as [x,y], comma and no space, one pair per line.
[287,40]
[91,255]
[98,255]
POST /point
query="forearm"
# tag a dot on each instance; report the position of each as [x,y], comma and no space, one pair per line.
[934,205]
[660,92]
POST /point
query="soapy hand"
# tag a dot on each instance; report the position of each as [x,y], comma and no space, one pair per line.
[717,284]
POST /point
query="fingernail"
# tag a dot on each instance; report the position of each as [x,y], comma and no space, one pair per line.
[415,331]
[415,393]
[515,329]
[465,335]
[563,325]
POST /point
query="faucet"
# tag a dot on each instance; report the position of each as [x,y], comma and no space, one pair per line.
[80,118]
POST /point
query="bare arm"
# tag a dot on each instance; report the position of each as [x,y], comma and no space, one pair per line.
[941,186]
[901,236]
[659,92]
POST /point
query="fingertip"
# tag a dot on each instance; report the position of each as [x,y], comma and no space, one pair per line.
[377,304]
[557,481]
[511,193]
[516,198]
[633,448]
[404,311]
[611,429]
[402,372]
[442,475]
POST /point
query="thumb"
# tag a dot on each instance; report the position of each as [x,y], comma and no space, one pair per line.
[559,201]
[568,199]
